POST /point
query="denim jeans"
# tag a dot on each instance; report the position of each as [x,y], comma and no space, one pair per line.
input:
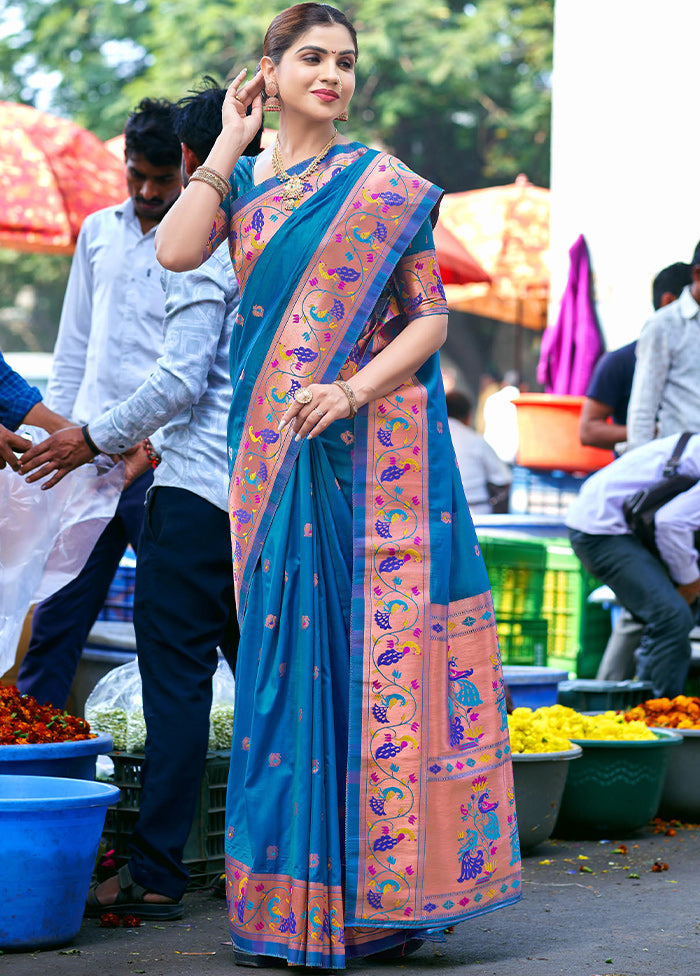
[642,585]
[184,606]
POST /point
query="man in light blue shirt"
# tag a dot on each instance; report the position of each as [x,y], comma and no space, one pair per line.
[109,337]
[665,397]
[184,598]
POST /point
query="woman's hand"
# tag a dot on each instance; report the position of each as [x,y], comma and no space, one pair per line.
[328,403]
[233,111]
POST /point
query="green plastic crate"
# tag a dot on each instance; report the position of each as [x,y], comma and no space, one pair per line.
[516,570]
[522,641]
[577,630]
[204,851]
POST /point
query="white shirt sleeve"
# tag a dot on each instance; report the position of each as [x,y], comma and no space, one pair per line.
[650,373]
[70,352]
[676,523]
[195,306]
[497,472]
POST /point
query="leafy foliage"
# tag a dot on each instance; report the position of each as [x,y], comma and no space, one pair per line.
[461,93]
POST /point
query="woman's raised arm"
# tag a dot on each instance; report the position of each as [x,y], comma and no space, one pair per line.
[182,235]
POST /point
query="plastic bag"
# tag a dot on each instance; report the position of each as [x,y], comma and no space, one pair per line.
[47,536]
[221,715]
[113,701]
[115,706]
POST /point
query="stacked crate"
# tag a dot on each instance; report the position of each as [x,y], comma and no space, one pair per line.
[516,570]
[540,593]
[578,630]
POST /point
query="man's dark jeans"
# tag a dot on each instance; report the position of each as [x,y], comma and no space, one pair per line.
[642,585]
[184,607]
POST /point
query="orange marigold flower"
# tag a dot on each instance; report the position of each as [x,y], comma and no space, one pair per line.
[24,720]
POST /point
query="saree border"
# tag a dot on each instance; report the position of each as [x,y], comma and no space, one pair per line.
[309,346]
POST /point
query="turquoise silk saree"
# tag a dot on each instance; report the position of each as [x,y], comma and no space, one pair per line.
[370,795]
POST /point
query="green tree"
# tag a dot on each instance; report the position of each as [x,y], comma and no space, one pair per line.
[461,93]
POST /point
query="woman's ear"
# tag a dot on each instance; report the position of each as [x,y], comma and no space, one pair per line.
[269,70]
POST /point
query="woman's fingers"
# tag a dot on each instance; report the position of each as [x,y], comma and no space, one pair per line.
[319,422]
[290,413]
[240,95]
[328,403]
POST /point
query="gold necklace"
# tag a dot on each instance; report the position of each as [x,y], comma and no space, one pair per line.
[293,186]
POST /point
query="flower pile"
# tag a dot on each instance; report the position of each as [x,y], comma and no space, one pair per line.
[681,712]
[551,728]
[24,720]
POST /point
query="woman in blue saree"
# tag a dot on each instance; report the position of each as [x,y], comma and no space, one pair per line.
[370,799]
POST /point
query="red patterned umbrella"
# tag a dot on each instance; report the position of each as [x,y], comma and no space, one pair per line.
[54,173]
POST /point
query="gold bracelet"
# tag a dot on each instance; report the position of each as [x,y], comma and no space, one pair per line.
[349,393]
[213,179]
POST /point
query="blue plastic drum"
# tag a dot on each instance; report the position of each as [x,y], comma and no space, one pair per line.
[50,829]
[75,759]
[531,686]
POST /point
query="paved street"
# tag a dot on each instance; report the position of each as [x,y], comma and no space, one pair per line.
[589,909]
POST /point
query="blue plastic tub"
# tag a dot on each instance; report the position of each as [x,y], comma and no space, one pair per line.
[73,759]
[50,830]
[533,687]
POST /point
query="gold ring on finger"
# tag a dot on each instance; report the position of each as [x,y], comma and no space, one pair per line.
[304,395]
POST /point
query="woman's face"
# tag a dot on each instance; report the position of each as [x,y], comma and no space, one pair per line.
[316,75]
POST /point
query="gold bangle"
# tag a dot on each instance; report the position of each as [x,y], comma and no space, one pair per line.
[213,179]
[350,394]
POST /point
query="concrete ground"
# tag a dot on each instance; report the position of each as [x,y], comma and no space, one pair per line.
[589,908]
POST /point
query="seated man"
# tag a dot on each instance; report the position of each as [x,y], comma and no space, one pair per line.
[607,398]
[485,478]
[662,593]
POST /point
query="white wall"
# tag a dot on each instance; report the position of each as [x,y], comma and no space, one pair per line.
[625,148]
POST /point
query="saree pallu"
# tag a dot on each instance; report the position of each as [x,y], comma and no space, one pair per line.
[370,794]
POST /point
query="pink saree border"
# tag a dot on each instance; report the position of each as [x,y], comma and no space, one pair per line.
[428,747]
[325,304]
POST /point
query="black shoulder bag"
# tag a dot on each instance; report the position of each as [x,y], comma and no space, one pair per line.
[640,508]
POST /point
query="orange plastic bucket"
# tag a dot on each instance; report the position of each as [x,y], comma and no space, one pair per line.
[548,434]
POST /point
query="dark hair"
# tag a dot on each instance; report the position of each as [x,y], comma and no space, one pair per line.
[197,119]
[295,21]
[458,404]
[674,278]
[696,256]
[149,132]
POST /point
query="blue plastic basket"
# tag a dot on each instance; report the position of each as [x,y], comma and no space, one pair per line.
[533,687]
[50,830]
[73,759]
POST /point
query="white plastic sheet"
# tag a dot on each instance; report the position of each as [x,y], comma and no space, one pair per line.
[47,536]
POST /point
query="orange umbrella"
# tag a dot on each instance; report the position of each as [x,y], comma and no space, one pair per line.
[54,174]
[506,228]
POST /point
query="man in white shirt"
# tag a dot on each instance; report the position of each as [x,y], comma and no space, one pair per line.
[185,541]
[501,419]
[662,593]
[110,336]
[485,478]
